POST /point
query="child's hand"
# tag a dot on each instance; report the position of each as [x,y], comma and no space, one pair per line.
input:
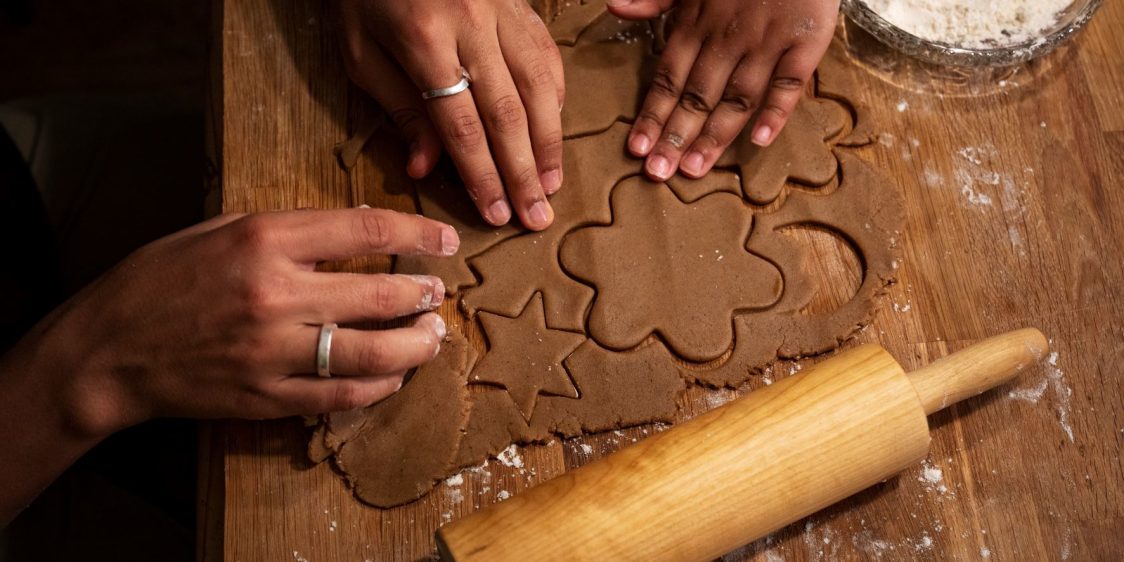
[725,61]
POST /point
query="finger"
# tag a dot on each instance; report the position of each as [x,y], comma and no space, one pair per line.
[373,70]
[369,353]
[638,9]
[701,94]
[314,236]
[739,101]
[542,38]
[505,118]
[534,79]
[305,395]
[789,78]
[353,297]
[663,96]
[436,65]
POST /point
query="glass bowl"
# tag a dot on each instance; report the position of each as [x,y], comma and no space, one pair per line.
[1070,21]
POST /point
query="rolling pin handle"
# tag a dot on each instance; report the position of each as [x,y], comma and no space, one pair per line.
[978,368]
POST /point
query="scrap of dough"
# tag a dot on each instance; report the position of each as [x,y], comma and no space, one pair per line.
[396,450]
[617,390]
[678,270]
[605,82]
[525,357]
[800,152]
[566,26]
[867,211]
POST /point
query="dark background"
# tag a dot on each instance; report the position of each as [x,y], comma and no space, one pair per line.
[131,498]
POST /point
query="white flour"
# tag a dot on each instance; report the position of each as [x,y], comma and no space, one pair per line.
[972,23]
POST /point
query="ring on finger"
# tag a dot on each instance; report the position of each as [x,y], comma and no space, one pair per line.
[324,350]
[453,90]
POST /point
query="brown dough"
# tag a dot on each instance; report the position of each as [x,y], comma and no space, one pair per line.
[568,25]
[868,212]
[525,357]
[605,81]
[622,335]
[617,390]
[689,258]
[798,154]
[447,201]
[395,451]
[529,263]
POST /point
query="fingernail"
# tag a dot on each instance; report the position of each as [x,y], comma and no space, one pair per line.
[762,135]
[539,215]
[438,292]
[499,213]
[364,206]
[450,241]
[693,163]
[640,144]
[434,291]
[551,181]
[402,379]
[617,3]
[659,166]
[439,327]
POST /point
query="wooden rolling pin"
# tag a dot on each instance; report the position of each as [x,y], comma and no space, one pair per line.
[743,470]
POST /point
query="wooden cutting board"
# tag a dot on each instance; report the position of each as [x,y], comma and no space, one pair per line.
[1015,217]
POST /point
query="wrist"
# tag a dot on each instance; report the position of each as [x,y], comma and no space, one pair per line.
[65,357]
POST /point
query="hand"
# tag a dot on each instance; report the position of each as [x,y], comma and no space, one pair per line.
[223,319]
[725,61]
[505,132]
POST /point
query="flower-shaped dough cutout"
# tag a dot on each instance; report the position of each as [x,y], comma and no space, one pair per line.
[670,268]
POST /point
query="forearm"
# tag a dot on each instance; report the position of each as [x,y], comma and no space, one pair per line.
[45,423]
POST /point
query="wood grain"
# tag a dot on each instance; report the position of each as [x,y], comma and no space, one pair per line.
[1030,472]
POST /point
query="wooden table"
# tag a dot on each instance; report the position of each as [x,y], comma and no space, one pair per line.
[1015,218]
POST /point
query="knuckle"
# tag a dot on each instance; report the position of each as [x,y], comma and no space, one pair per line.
[384,296]
[651,117]
[373,230]
[350,395]
[422,29]
[526,180]
[262,298]
[407,118]
[740,103]
[692,100]
[787,83]
[370,359]
[549,146]
[538,77]
[506,114]
[777,109]
[256,234]
[663,83]
[486,185]
[732,29]
[465,130]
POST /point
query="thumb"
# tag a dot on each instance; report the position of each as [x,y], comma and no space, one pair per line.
[638,9]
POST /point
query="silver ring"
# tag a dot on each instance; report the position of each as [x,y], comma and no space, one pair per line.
[324,350]
[453,90]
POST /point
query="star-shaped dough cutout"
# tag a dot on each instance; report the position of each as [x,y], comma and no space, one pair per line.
[526,356]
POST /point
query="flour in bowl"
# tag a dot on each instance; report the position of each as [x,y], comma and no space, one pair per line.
[972,23]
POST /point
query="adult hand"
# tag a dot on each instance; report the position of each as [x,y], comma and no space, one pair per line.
[223,320]
[725,61]
[505,133]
